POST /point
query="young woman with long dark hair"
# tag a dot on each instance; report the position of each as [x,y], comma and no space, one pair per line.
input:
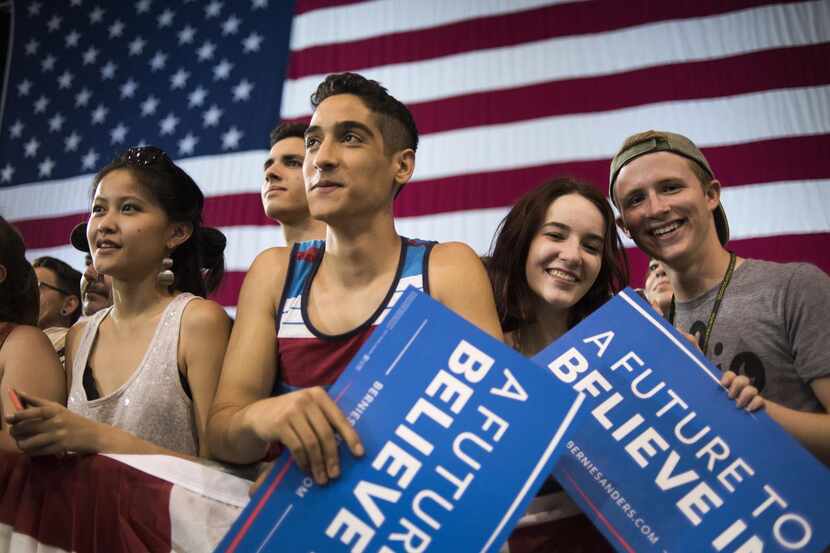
[142,373]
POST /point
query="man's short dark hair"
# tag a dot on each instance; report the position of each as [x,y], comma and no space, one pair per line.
[288,130]
[68,279]
[394,119]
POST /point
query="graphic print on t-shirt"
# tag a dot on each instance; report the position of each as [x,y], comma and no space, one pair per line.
[746,362]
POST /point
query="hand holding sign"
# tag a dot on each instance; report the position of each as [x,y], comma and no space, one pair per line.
[305,422]
[739,388]
[742,391]
[45,427]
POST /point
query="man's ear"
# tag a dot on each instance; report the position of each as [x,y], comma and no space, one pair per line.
[3,273]
[712,193]
[70,304]
[180,233]
[621,225]
[404,167]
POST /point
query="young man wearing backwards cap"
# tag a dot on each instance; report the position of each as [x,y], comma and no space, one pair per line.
[765,321]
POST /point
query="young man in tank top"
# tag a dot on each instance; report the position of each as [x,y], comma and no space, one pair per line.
[283,189]
[764,321]
[325,297]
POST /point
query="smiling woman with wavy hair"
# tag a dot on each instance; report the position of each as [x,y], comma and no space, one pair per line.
[556,257]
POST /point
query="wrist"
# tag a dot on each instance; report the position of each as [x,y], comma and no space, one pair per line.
[95,440]
[250,427]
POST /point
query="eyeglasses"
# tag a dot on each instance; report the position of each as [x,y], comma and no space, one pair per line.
[55,288]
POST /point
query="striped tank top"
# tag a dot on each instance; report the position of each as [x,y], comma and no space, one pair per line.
[305,356]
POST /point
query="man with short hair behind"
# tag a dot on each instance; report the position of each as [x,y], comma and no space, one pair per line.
[326,297]
[96,289]
[767,321]
[657,287]
[283,190]
[60,299]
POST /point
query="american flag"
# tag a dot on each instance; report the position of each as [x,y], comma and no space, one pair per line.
[505,94]
[91,503]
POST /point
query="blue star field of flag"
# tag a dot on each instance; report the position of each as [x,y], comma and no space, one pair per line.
[90,78]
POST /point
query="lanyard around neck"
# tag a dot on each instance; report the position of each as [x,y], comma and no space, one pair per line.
[724,284]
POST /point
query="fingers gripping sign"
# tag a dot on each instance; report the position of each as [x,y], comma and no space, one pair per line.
[740,389]
[44,427]
[306,422]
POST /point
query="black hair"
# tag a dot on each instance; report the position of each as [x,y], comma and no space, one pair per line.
[288,130]
[19,296]
[198,263]
[69,279]
[394,119]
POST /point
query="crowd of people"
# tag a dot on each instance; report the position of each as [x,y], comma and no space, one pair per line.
[141,362]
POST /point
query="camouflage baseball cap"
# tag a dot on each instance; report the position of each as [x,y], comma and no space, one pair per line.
[662,141]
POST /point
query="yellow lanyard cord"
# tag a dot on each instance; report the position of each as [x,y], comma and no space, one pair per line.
[727,278]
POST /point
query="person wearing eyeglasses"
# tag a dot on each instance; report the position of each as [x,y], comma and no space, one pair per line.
[60,299]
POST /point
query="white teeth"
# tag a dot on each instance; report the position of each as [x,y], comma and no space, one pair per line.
[667,229]
[561,274]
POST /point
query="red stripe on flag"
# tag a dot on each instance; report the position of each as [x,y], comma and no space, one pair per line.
[783,68]
[499,30]
[749,163]
[228,292]
[220,211]
[303,6]
[233,210]
[84,503]
[48,232]
[809,248]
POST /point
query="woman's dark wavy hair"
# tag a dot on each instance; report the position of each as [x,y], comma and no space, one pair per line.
[199,263]
[506,264]
[19,296]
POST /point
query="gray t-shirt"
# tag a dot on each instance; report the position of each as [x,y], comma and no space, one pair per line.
[773,326]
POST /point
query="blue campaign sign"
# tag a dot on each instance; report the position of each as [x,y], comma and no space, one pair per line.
[662,460]
[460,432]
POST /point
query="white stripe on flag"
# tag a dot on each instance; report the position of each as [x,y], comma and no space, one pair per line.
[371,19]
[235,173]
[653,44]
[711,122]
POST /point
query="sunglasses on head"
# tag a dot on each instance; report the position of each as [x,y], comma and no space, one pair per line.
[146,156]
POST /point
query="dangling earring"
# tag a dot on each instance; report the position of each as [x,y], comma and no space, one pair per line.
[166,276]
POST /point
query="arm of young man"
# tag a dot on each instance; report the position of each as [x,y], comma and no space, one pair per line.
[458,280]
[811,429]
[244,419]
[804,311]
